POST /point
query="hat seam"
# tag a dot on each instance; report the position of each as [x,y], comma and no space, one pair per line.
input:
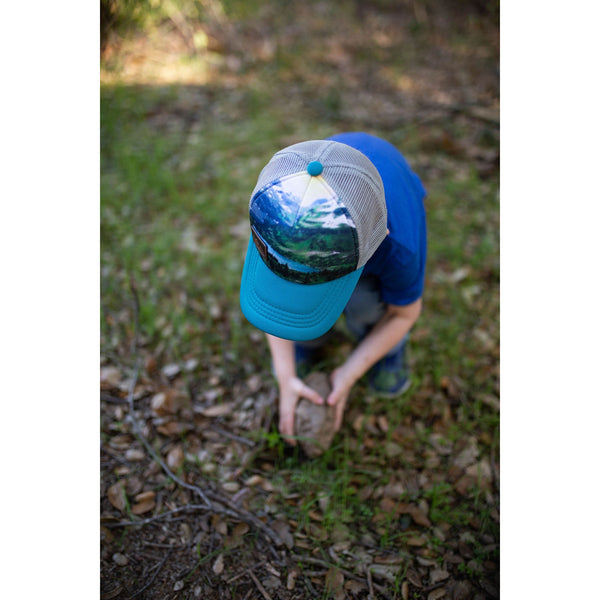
[355,169]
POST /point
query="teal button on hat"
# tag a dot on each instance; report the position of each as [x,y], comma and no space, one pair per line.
[314,168]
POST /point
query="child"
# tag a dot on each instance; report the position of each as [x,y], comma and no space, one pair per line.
[338,225]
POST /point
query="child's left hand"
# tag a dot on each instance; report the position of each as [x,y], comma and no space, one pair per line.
[338,397]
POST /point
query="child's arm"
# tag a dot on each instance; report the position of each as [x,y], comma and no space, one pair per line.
[389,331]
[291,387]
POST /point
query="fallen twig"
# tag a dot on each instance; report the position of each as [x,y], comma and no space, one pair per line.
[112,399]
[243,573]
[232,436]
[261,589]
[187,508]
[157,571]
[370,583]
[139,435]
[114,454]
[327,565]
[232,510]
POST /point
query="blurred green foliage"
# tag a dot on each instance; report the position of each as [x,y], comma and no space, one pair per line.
[120,17]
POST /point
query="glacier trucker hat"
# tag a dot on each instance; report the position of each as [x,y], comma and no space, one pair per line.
[317,214]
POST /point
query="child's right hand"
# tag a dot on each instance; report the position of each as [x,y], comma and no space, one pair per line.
[290,392]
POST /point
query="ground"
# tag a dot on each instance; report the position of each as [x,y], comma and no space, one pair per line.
[200,498]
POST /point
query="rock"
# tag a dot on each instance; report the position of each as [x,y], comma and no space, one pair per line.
[314,423]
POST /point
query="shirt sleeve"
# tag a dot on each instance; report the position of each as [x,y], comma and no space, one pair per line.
[400,270]
[401,280]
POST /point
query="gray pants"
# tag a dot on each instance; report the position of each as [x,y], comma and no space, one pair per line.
[364,309]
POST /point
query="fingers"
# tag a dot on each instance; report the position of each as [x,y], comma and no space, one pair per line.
[338,401]
[338,397]
[303,391]
[286,429]
[287,410]
[339,415]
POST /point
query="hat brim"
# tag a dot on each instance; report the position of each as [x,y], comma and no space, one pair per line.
[289,310]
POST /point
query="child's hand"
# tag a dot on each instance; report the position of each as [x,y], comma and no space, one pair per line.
[290,393]
[341,387]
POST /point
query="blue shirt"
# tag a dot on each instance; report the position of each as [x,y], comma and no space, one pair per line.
[399,262]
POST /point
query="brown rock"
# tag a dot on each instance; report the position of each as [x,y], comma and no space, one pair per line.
[314,423]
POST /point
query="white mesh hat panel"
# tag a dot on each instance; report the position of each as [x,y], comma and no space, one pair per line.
[350,174]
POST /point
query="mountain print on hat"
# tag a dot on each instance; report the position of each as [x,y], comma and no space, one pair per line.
[302,230]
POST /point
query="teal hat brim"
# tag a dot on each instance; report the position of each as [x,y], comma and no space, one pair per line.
[289,310]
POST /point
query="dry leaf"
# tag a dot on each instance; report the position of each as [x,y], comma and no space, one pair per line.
[219,565]
[218,410]
[144,496]
[419,517]
[482,472]
[334,582]
[116,496]
[386,572]
[317,532]
[392,450]
[171,370]
[404,590]
[282,529]
[416,540]
[175,458]
[231,487]
[271,583]
[191,364]
[254,480]
[121,441]
[437,575]
[462,590]
[387,505]
[240,530]
[291,579]
[383,423]
[168,402]
[173,428]
[134,485]
[414,577]
[110,377]
[440,444]
[355,587]
[394,490]
[143,507]
[158,404]
[150,365]
[219,525]
[254,383]
[468,455]
[134,455]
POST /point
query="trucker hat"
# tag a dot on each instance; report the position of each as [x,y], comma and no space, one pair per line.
[317,214]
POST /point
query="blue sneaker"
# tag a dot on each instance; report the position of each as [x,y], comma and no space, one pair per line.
[390,376]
